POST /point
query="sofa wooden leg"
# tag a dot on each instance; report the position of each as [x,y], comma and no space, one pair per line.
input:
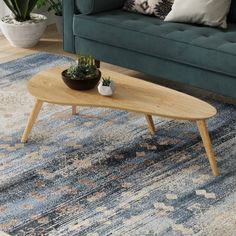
[97,63]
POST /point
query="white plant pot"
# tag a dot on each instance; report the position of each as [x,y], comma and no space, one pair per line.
[24,34]
[59,24]
[106,90]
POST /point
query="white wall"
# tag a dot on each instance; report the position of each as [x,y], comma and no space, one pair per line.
[3,9]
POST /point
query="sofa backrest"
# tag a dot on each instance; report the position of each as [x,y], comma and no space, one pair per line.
[232,13]
[94,6]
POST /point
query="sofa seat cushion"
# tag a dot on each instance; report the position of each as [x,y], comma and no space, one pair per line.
[203,47]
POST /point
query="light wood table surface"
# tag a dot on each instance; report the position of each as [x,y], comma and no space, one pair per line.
[131,94]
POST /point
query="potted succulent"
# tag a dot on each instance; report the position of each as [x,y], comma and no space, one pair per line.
[23,28]
[56,6]
[106,87]
[84,75]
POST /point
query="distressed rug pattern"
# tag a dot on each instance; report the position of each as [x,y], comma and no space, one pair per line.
[101,173]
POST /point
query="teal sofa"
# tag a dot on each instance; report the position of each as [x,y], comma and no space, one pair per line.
[200,56]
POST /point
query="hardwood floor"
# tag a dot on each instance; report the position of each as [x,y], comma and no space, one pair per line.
[51,42]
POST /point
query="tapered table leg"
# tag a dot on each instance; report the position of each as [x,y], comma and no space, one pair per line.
[150,124]
[208,146]
[33,116]
[74,110]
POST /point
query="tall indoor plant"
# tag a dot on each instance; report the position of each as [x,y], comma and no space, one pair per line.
[23,28]
[57,8]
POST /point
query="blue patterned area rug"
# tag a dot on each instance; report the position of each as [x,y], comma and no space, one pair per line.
[101,173]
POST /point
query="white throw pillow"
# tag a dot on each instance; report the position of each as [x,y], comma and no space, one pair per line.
[207,12]
[159,8]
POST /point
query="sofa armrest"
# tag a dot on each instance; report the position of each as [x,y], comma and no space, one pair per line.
[69,9]
[95,6]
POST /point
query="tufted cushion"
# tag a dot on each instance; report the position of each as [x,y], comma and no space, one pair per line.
[201,47]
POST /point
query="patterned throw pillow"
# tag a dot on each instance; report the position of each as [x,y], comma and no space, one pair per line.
[159,8]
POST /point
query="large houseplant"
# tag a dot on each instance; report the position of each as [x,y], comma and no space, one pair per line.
[57,8]
[23,28]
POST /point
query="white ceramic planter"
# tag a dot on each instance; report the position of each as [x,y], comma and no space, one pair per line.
[24,35]
[106,90]
[59,24]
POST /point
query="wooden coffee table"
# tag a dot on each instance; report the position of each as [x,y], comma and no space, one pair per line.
[131,94]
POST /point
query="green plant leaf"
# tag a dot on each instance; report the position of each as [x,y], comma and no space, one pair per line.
[18,13]
[10,6]
[31,6]
[53,5]
[21,8]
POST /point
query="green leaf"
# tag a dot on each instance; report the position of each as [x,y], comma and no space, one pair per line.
[10,6]
[31,6]
[21,8]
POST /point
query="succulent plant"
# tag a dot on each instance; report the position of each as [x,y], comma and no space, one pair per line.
[84,69]
[106,81]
